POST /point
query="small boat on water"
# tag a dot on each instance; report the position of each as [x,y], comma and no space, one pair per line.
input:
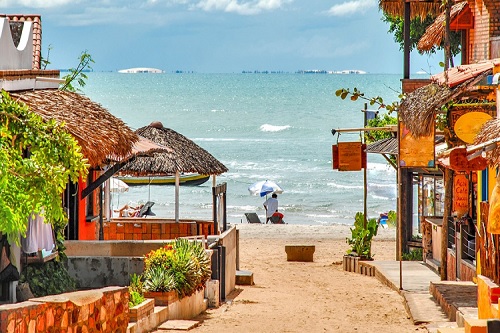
[187,179]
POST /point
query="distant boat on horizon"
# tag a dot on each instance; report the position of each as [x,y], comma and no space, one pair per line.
[136,70]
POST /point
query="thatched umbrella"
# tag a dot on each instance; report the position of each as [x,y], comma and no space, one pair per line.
[435,32]
[98,132]
[417,8]
[183,156]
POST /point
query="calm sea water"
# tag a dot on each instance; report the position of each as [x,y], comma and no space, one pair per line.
[261,126]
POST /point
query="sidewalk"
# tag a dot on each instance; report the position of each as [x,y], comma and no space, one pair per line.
[414,285]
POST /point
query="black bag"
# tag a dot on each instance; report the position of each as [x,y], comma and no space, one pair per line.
[8,272]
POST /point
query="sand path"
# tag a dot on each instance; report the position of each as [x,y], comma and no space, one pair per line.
[308,297]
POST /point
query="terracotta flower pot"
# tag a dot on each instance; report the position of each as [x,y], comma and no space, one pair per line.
[142,310]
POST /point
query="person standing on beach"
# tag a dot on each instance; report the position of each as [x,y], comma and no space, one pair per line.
[271,206]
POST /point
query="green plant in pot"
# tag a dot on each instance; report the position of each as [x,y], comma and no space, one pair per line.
[135,291]
[361,236]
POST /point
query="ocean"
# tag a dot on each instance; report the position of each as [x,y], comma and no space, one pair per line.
[261,126]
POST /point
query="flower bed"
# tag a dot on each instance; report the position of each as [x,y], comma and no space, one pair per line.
[162,298]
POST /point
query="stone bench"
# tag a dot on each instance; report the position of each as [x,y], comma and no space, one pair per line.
[299,252]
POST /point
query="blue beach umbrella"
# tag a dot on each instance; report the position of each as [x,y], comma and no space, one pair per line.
[264,187]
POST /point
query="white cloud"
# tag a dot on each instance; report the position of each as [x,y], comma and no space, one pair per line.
[35,3]
[243,8]
[351,7]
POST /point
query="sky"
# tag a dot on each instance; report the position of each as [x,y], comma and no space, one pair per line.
[220,36]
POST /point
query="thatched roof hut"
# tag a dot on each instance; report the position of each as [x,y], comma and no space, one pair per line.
[418,110]
[417,8]
[98,132]
[435,32]
[183,155]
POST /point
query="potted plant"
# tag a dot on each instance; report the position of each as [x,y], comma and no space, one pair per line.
[176,270]
[362,234]
[139,307]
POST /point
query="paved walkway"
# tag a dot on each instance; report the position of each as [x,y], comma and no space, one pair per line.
[412,280]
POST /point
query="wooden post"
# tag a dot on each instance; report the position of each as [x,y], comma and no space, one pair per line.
[177,186]
[365,193]
[406,45]
[448,188]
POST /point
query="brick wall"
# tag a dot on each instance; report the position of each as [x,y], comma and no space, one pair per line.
[154,229]
[486,25]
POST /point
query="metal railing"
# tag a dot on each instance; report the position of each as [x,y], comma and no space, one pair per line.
[451,233]
[468,239]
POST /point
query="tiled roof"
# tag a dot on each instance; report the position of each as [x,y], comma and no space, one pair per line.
[37,34]
[462,73]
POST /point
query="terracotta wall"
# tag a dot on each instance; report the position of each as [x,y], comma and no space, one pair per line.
[409,85]
[488,293]
[102,310]
[451,269]
[154,229]
[467,273]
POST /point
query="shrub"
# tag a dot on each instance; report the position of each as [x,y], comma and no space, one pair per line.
[413,255]
[48,278]
[183,266]
[361,236]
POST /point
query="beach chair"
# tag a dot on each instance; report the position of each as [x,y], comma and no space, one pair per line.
[252,218]
[146,210]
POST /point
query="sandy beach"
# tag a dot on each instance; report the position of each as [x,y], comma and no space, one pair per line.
[308,296]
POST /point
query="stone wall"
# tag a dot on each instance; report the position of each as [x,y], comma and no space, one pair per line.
[101,310]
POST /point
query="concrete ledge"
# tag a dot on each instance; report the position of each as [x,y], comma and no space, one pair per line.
[300,252]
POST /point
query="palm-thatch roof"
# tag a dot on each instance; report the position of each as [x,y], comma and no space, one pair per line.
[418,110]
[98,132]
[183,155]
[435,32]
[490,132]
[420,9]
[384,146]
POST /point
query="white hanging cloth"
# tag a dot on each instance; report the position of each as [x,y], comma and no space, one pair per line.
[39,235]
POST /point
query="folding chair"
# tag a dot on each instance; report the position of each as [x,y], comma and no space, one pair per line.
[146,210]
[252,218]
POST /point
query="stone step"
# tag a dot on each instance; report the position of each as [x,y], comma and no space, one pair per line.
[473,325]
[244,278]
[179,325]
